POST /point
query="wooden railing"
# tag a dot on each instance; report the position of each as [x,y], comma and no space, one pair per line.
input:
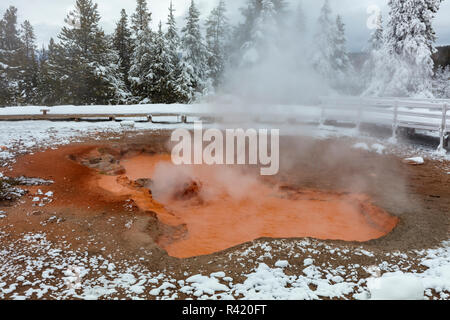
[418,114]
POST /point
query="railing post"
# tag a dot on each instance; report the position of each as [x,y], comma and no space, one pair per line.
[443,128]
[322,113]
[395,124]
[359,115]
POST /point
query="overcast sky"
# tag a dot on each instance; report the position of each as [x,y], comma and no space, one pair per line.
[47,16]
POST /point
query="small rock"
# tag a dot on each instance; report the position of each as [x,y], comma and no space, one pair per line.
[95,161]
[119,171]
[143,183]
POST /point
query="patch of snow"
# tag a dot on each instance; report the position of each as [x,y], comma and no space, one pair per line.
[396,286]
[362,146]
[128,124]
[205,285]
[378,148]
[219,274]
[281,264]
[416,160]
[308,262]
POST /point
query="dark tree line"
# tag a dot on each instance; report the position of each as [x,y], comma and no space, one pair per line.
[178,64]
[135,64]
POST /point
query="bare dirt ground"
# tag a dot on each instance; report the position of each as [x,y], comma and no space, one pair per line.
[96,222]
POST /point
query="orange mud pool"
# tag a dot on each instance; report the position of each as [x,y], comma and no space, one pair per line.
[221,207]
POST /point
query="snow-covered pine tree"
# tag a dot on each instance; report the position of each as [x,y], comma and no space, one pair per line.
[341,60]
[181,85]
[377,37]
[263,34]
[141,18]
[194,53]
[243,31]
[27,84]
[409,47]
[123,44]
[160,75]
[10,71]
[141,60]
[172,36]
[374,64]
[4,85]
[42,75]
[441,82]
[331,59]
[86,65]
[52,75]
[107,68]
[300,20]
[343,69]
[324,42]
[217,41]
[280,8]
[267,18]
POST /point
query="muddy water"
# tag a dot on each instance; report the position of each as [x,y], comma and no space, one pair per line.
[229,207]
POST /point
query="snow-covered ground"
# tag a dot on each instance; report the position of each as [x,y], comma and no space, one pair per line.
[36,263]
[23,136]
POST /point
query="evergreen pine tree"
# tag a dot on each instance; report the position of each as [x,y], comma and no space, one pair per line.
[341,60]
[85,64]
[42,76]
[217,41]
[123,44]
[409,45]
[324,41]
[344,79]
[161,74]
[194,53]
[180,76]
[27,84]
[243,32]
[263,33]
[141,18]
[4,85]
[373,64]
[331,59]
[52,76]
[10,69]
[300,20]
[142,56]
[377,36]
[441,82]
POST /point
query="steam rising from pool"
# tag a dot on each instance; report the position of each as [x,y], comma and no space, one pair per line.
[222,207]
